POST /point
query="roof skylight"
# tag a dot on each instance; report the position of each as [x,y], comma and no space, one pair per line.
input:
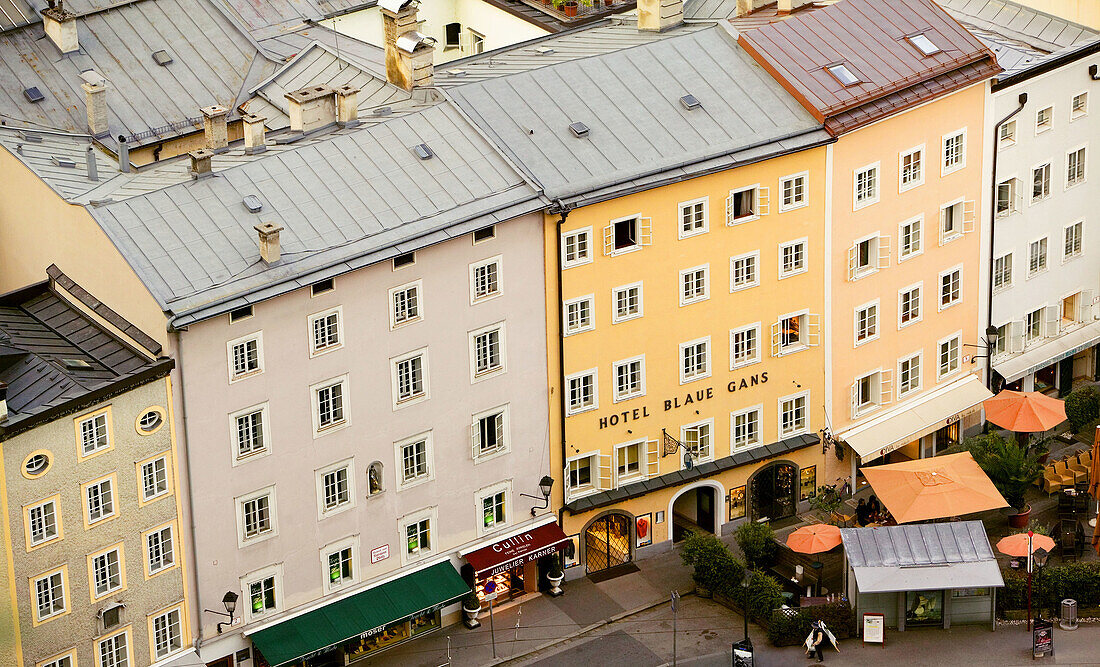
[843,74]
[923,44]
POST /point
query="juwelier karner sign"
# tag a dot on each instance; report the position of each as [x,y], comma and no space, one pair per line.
[683,400]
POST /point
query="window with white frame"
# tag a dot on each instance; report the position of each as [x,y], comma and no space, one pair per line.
[791,333]
[263,593]
[949,356]
[1072,240]
[100,499]
[486,280]
[49,595]
[694,285]
[1033,326]
[61,661]
[868,255]
[1071,307]
[1008,195]
[1079,106]
[325,332]
[697,439]
[744,271]
[870,391]
[42,522]
[1075,167]
[245,357]
[627,234]
[249,429]
[693,217]
[339,563]
[910,241]
[957,218]
[1007,134]
[490,433]
[167,633]
[582,392]
[792,258]
[492,504]
[694,360]
[1040,182]
[1002,272]
[576,247]
[1002,345]
[628,462]
[94,434]
[106,572]
[418,536]
[410,377]
[954,152]
[909,374]
[1037,257]
[160,549]
[1044,119]
[745,204]
[335,488]
[114,651]
[580,473]
[414,460]
[793,192]
[793,416]
[578,315]
[629,378]
[909,306]
[627,302]
[487,350]
[911,169]
[405,302]
[328,402]
[154,478]
[950,287]
[744,346]
[745,426]
[866,323]
[256,515]
[866,186]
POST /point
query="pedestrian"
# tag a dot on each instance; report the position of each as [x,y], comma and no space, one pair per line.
[815,643]
[863,512]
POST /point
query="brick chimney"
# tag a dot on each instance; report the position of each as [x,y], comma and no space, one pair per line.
[398,18]
[414,61]
[255,134]
[213,123]
[347,106]
[60,26]
[311,108]
[660,15]
[200,163]
[95,100]
[269,241]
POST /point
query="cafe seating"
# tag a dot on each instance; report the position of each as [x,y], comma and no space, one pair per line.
[1080,472]
[1062,468]
[1068,545]
[1052,481]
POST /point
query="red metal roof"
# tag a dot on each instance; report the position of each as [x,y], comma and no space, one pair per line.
[870,38]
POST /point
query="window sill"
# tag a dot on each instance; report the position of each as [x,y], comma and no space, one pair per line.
[791,349]
[339,509]
[414,482]
[945,170]
[569,412]
[742,220]
[910,322]
[325,430]
[241,543]
[944,240]
[1069,258]
[624,251]
[1070,186]
[1002,288]
[482,457]
[737,449]
[694,378]
[948,375]
[792,207]
[575,263]
[791,274]
[624,399]
[698,299]
[954,303]
[245,376]
[485,297]
[325,350]
[488,375]
[790,434]
[863,273]
[906,187]
[743,364]
[868,339]
[1035,274]
[625,318]
[740,288]
[588,490]
[687,235]
[911,255]
[574,332]
[412,400]
[404,323]
[864,410]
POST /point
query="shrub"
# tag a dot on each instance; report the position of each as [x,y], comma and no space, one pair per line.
[789,627]
[757,543]
[827,500]
[1011,469]
[1079,581]
[713,564]
[765,595]
[1082,407]
[1087,432]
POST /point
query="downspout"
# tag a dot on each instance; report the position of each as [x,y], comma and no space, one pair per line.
[175,333]
[561,208]
[992,233]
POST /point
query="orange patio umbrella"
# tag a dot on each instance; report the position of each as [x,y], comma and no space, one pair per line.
[814,539]
[934,488]
[1025,412]
[1016,545]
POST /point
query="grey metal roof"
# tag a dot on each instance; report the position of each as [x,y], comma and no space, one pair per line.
[630,101]
[214,62]
[267,17]
[194,246]
[16,13]
[709,10]
[285,45]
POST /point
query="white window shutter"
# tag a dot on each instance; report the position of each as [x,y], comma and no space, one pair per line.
[883,252]
[1017,195]
[730,213]
[608,239]
[855,399]
[500,431]
[568,487]
[853,257]
[813,329]
[886,387]
[475,440]
[775,339]
[604,470]
[943,225]
[1015,336]
[969,216]
[645,231]
[763,201]
[652,458]
[1051,320]
[1084,306]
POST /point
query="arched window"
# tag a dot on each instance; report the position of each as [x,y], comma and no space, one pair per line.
[374,478]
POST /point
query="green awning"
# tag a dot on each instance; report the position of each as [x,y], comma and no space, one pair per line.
[362,612]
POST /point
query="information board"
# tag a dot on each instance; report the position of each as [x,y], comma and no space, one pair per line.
[1042,638]
[874,629]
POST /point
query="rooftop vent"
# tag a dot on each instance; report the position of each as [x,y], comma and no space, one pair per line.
[690,102]
[578,129]
[63,162]
[423,152]
[382,111]
[543,50]
[456,72]
[162,58]
[843,74]
[33,94]
[30,137]
[76,364]
[923,44]
[93,77]
[253,203]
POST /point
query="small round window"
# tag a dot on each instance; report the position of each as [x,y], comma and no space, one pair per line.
[36,464]
[150,421]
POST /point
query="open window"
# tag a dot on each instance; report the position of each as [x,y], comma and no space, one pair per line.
[868,255]
[795,332]
[955,220]
[747,204]
[871,392]
[627,234]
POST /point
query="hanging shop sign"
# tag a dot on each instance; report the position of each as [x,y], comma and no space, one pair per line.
[682,400]
[517,550]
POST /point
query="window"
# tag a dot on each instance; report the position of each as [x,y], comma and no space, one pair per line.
[745,204]
[949,356]
[909,375]
[1044,119]
[694,360]
[410,377]
[866,323]
[1002,345]
[106,571]
[629,378]
[114,651]
[576,247]
[909,310]
[94,434]
[154,478]
[487,350]
[866,186]
[160,547]
[694,285]
[792,191]
[578,315]
[452,32]
[954,152]
[626,234]
[62,661]
[744,346]
[911,171]
[49,595]
[401,261]
[493,506]
[793,417]
[249,427]
[627,302]
[329,401]
[485,279]
[477,42]
[869,392]
[321,287]
[418,535]
[339,568]
[1037,257]
[697,438]
[923,44]
[950,288]
[957,218]
[868,255]
[245,357]
[580,473]
[167,633]
[1007,134]
[792,333]
[743,271]
[1007,192]
[843,74]
[792,258]
[490,433]
[1075,167]
[240,314]
[1069,307]
[1079,106]
[325,329]
[1033,326]
[693,218]
[256,516]
[406,304]
[909,239]
[628,461]
[43,523]
[1040,182]
[335,489]
[582,392]
[262,595]
[484,234]
[1002,272]
[100,499]
[414,460]
[746,428]
[150,421]
[1072,246]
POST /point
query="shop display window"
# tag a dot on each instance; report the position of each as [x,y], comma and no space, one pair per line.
[737,503]
[807,483]
[1045,377]
[924,608]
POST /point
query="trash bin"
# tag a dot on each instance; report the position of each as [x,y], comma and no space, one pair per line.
[1069,615]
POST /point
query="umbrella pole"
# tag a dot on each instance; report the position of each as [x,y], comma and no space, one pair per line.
[1029,601]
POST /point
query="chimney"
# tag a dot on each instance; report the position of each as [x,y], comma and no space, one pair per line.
[398,18]
[95,99]
[60,26]
[745,7]
[255,136]
[660,15]
[213,122]
[311,108]
[784,7]
[3,401]
[200,163]
[414,61]
[123,155]
[347,106]
[90,163]
[269,241]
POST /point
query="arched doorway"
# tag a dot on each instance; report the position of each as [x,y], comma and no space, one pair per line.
[694,509]
[607,542]
[773,492]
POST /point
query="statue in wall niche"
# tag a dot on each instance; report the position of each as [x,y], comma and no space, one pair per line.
[374,478]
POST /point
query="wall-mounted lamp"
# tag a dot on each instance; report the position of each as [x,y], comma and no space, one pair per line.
[229,600]
[989,342]
[546,484]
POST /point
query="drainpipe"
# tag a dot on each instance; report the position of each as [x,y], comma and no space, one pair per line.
[563,209]
[992,234]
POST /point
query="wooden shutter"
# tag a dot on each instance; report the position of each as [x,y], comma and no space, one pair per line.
[775,338]
[1017,195]
[603,470]
[1051,320]
[645,231]
[854,403]
[1084,306]
[969,216]
[608,239]
[813,329]
[1015,336]
[652,458]
[730,213]
[943,225]
[853,261]
[475,439]
[883,252]
[763,201]
[886,387]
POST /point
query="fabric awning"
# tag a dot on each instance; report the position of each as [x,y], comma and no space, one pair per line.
[517,550]
[361,614]
[900,426]
[1015,367]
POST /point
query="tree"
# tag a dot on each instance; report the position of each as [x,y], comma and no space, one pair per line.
[1011,468]
[757,543]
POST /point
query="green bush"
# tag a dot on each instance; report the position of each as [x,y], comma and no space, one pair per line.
[1011,469]
[765,595]
[827,499]
[1077,581]
[715,567]
[789,627]
[1082,407]
[1087,432]
[757,543]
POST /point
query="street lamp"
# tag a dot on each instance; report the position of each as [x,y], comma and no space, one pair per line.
[229,601]
[546,484]
[1040,557]
[742,650]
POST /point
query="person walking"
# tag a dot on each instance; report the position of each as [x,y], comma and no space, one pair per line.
[816,642]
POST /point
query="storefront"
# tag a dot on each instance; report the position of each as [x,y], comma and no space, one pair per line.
[362,624]
[1053,365]
[512,562]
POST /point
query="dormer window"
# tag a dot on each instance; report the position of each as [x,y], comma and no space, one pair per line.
[923,44]
[843,74]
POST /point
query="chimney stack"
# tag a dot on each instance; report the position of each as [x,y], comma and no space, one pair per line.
[398,18]
[213,123]
[269,241]
[414,61]
[200,163]
[347,106]
[745,7]
[60,27]
[90,163]
[95,100]
[784,7]
[255,134]
[311,108]
[660,15]
[3,401]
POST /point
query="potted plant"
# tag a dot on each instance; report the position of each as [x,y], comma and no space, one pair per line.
[1011,469]
[555,575]
[471,607]
[570,7]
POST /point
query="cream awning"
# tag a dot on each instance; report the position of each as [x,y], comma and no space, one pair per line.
[1015,367]
[907,422]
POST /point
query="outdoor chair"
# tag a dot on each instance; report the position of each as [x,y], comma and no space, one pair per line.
[1085,459]
[1052,481]
[1068,476]
[1069,545]
[1080,472]
[1065,505]
[841,520]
